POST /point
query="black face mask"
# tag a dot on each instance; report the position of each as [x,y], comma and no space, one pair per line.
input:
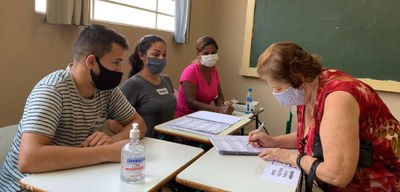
[107,79]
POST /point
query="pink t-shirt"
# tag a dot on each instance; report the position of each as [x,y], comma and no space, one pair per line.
[206,93]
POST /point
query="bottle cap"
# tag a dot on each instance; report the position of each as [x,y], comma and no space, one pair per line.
[134,132]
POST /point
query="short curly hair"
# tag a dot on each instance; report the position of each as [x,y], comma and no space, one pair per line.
[288,62]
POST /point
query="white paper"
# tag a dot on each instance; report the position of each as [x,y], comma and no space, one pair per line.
[217,117]
[233,144]
[281,173]
[190,130]
[201,125]
[204,121]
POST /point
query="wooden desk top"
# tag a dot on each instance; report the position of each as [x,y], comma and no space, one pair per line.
[163,161]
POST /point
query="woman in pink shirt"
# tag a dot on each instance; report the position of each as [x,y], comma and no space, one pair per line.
[199,82]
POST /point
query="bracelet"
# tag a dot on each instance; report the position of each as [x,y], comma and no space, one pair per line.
[298,159]
[311,174]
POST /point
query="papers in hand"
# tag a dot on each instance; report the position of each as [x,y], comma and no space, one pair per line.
[233,145]
[204,122]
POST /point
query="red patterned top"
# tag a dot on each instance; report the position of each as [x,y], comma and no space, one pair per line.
[377,125]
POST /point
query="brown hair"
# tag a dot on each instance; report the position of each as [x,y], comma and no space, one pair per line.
[204,41]
[288,62]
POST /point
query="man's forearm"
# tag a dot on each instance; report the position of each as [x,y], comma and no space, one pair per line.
[50,158]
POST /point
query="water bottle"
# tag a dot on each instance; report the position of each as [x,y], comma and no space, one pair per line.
[249,99]
[133,159]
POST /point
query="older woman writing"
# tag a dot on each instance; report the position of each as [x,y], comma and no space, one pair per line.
[347,137]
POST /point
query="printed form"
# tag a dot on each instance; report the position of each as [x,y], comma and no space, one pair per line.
[233,145]
[281,173]
[204,122]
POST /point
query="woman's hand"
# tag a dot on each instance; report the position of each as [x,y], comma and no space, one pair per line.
[261,139]
[226,109]
[281,155]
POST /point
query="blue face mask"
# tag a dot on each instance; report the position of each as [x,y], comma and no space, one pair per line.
[155,65]
[290,97]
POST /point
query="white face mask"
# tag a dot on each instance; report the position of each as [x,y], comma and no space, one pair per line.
[290,97]
[209,60]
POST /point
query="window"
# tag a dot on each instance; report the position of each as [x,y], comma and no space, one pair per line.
[40,6]
[156,14]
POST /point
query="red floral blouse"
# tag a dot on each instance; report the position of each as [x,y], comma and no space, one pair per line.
[377,125]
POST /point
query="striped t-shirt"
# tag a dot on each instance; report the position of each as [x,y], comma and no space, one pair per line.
[56,109]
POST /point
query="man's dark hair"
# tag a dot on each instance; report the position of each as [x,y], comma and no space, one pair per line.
[97,40]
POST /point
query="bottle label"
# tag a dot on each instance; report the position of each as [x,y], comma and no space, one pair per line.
[249,99]
[248,108]
[135,166]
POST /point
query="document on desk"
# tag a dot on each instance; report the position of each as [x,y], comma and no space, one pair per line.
[233,145]
[281,173]
[204,122]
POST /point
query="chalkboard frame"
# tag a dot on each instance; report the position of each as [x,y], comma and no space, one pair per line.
[247,70]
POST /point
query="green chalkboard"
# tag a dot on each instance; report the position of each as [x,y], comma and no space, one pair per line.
[360,37]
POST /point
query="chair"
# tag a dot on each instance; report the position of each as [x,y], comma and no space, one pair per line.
[7,135]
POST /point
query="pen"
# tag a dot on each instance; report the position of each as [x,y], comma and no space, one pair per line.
[263,123]
[258,130]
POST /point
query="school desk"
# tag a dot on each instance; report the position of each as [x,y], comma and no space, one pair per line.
[238,126]
[215,172]
[163,161]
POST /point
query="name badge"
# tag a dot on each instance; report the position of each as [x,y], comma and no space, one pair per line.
[162,91]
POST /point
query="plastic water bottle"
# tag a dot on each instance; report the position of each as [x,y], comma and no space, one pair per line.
[133,159]
[249,99]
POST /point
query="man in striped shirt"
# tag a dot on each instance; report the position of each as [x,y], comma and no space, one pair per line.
[65,110]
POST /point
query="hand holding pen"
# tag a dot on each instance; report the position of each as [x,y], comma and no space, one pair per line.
[257,138]
[251,140]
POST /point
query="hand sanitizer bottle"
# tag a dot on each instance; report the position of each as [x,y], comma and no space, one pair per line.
[133,160]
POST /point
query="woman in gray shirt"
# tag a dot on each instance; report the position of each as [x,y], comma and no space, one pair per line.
[149,91]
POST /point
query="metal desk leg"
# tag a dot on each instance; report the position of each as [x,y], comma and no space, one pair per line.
[257,120]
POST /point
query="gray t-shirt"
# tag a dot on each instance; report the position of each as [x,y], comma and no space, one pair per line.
[155,103]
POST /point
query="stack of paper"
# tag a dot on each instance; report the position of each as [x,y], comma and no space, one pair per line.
[233,145]
[204,122]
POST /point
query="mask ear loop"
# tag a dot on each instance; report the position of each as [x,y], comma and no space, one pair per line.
[97,60]
[90,60]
